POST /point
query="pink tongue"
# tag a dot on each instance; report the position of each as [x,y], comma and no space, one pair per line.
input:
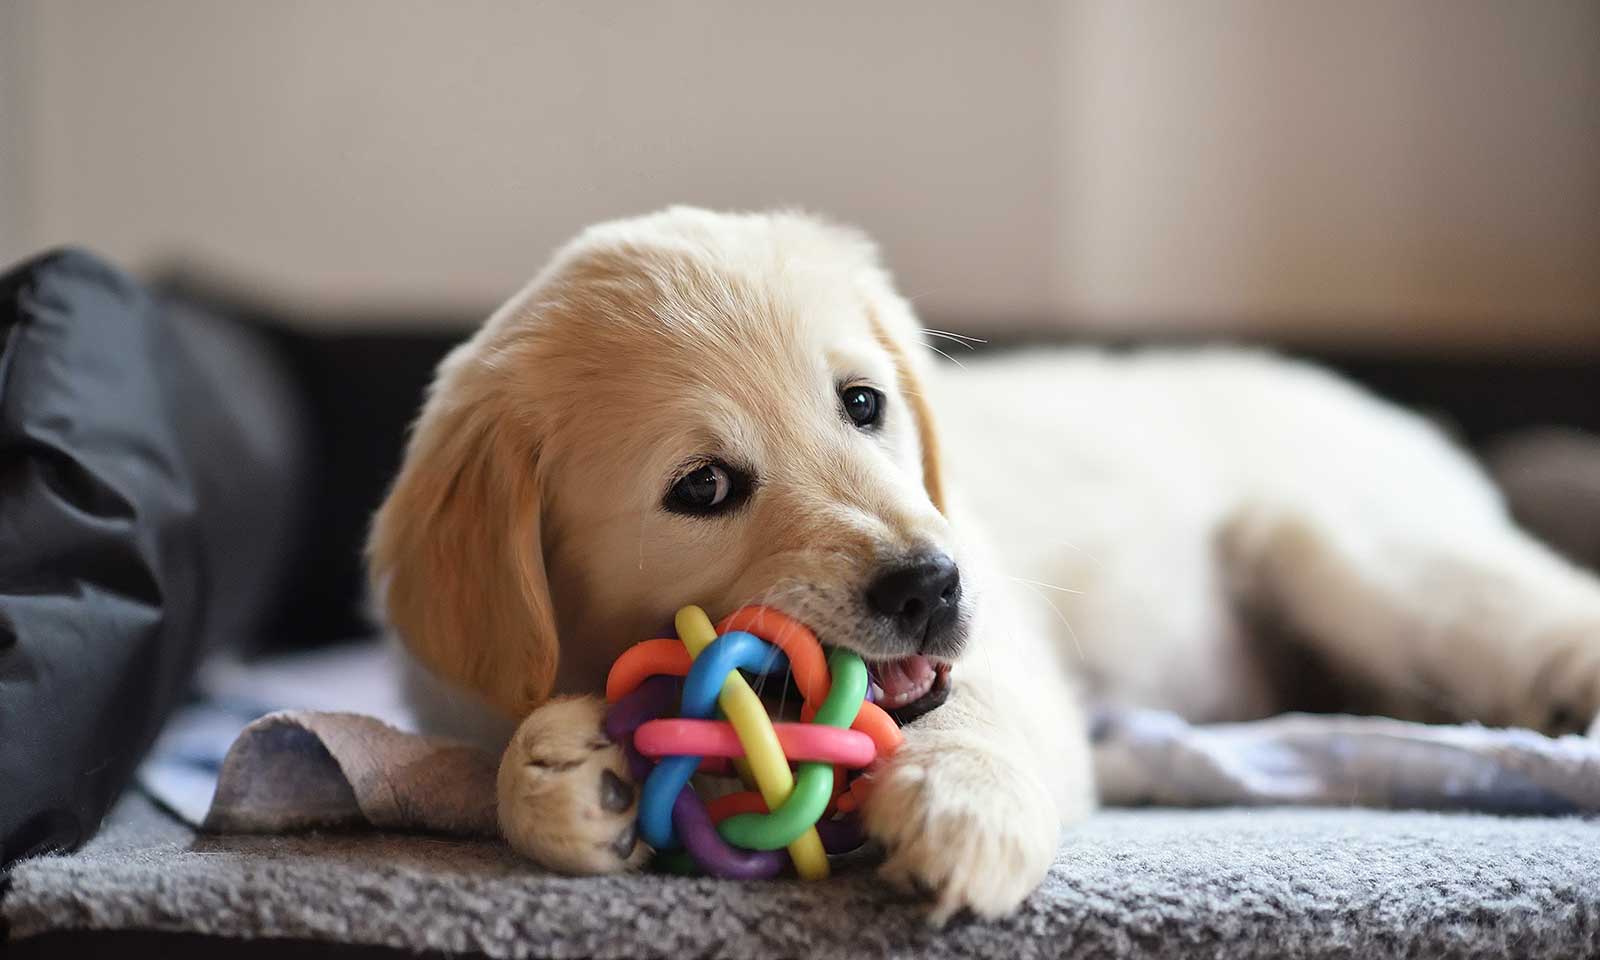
[904,680]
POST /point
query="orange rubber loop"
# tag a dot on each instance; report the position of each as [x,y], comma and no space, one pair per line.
[640,662]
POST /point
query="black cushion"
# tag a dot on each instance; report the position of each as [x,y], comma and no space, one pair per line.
[152,473]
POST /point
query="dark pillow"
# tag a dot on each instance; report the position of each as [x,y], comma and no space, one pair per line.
[362,378]
[152,477]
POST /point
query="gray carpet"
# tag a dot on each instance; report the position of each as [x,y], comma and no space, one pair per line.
[1149,883]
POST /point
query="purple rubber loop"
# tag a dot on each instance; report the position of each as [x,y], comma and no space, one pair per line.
[653,698]
[714,854]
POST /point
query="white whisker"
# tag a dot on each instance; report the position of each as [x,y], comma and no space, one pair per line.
[1069,544]
[1059,616]
[954,336]
[914,297]
[945,336]
[945,355]
[1048,586]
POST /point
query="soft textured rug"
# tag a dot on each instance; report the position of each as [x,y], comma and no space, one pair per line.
[1269,882]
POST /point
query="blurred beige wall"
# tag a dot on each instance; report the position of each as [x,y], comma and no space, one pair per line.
[16,222]
[1416,171]
[435,153]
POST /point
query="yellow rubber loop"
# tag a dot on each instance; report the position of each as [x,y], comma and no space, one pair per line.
[749,717]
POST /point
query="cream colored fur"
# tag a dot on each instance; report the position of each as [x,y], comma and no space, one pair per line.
[1126,526]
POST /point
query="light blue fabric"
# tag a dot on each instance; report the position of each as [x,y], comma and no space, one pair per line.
[1149,757]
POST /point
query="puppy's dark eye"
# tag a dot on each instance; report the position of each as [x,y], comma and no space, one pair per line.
[863,405]
[708,489]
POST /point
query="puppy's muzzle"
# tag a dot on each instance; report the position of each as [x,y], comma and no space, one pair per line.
[920,599]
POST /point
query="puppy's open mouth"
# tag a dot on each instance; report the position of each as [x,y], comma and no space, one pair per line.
[910,686]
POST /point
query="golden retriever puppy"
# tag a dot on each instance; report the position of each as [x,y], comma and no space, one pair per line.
[730,409]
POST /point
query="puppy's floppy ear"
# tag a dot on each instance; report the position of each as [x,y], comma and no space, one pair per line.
[911,389]
[455,550]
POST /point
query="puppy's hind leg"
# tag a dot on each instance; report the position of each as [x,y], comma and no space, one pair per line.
[564,796]
[1453,621]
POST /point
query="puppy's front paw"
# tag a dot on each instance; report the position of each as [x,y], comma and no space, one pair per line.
[565,798]
[963,824]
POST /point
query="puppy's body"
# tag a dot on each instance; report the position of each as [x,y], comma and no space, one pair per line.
[1156,528]
[1115,481]
[1199,518]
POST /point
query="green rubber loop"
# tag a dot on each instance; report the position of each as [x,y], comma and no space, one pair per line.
[813,782]
[849,691]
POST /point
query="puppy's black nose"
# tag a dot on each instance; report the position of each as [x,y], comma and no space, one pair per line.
[919,597]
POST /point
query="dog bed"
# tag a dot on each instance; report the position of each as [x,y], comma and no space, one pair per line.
[1277,882]
[1321,879]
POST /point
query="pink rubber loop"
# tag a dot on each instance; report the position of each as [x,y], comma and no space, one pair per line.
[670,736]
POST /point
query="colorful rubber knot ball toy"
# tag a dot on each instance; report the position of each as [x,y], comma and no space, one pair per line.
[802,780]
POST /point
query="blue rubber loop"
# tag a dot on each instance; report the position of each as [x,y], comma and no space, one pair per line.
[735,650]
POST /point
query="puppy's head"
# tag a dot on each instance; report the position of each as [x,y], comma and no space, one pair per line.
[683,408]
